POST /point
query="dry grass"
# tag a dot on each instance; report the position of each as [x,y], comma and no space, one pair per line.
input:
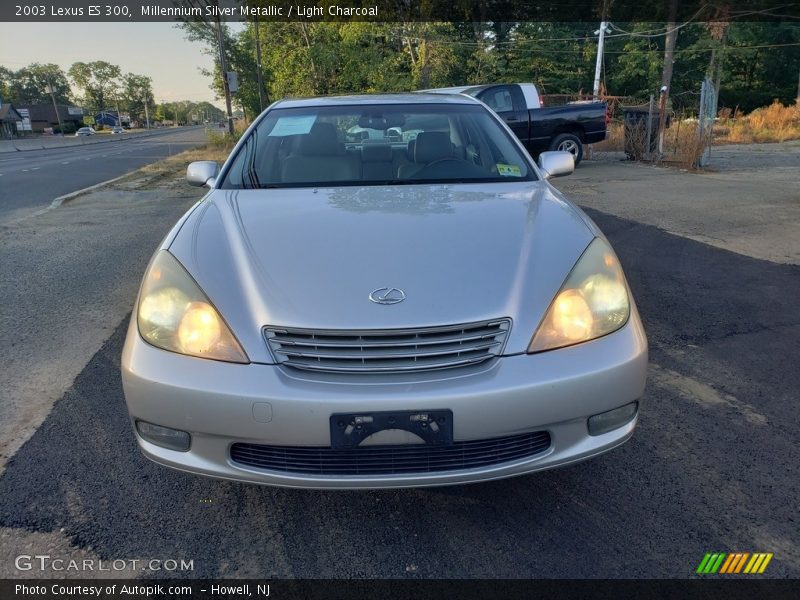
[615,138]
[181,160]
[173,168]
[773,123]
[683,145]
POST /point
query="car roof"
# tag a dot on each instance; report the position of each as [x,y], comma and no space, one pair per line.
[448,90]
[372,99]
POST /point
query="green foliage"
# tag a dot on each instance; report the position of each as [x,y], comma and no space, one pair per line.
[556,56]
[755,77]
[137,91]
[98,82]
[184,111]
[67,128]
[29,85]
[6,75]
[752,63]
[318,58]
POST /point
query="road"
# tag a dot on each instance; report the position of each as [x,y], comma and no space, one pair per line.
[30,180]
[713,465]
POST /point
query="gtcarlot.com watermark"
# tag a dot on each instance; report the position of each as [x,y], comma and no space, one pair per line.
[47,563]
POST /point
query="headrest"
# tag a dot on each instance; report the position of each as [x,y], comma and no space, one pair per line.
[376,152]
[432,145]
[321,140]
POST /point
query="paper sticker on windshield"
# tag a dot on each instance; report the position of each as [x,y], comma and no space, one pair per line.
[508,170]
[293,126]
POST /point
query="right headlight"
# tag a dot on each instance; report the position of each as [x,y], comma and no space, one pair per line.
[593,302]
[174,314]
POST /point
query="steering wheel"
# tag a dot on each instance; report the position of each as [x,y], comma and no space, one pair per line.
[442,160]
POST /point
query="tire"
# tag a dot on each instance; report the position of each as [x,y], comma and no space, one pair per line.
[571,143]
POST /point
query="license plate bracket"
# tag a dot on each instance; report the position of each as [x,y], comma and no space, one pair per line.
[348,430]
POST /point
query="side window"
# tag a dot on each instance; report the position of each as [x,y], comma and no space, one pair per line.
[498,99]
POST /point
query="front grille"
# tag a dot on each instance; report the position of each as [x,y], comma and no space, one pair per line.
[389,350]
[391,460]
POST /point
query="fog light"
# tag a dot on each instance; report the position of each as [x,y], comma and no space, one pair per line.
[605,422]
[172,439]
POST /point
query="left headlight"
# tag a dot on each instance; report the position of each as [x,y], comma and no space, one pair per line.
[174,314]
[593,302]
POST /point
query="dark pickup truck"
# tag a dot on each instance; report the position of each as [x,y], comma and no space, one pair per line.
[541,128]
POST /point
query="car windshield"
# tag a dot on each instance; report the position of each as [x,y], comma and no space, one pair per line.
[376,145]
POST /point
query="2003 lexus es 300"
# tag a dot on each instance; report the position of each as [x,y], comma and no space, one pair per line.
[382,291]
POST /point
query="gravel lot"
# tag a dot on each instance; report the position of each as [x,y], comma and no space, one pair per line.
[747,202]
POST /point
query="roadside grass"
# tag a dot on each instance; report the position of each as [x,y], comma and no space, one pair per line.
[173,168]
[181,160]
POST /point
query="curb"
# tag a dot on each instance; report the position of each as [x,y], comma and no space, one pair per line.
[104,140]
[72,195]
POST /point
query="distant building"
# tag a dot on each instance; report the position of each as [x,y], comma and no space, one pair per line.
[107,117]
[44,116]
[9,118]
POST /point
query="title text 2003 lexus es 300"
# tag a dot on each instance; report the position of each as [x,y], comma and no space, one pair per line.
[382,291]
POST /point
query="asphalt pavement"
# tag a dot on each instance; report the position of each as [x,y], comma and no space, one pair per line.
[32,179]
[712,467]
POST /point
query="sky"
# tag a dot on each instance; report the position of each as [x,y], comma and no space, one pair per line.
[157,50]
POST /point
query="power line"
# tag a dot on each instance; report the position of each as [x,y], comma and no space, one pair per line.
[521,48]
[664,33]
[727,48]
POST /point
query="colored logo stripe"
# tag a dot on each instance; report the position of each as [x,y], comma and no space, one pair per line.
[740,564]
[734,563]
[723,563]
[758,563]
[727,564]
[711,562]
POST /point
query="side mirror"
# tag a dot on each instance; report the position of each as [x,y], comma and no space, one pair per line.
[202,172]
[556,164]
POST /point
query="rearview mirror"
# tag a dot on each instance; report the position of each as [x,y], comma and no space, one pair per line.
[202,172]
[556,164]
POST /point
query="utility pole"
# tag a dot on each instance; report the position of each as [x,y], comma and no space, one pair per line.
[599,64]
[797,100]
[55,106]
[666,74]
[146,113]
[261,99]
[223,65]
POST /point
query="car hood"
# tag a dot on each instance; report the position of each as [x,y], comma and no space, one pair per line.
[311,257]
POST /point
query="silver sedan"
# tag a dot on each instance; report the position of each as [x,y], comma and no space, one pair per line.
[382,291]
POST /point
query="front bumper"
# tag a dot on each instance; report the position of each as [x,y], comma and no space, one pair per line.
[223,403]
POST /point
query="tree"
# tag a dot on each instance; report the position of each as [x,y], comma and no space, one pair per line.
[314,58]
[752,77]
[137,91]
[98,82]
[5,81]
[29,85]
[555,56]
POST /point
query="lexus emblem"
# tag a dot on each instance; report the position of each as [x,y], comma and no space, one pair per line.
[387,295]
